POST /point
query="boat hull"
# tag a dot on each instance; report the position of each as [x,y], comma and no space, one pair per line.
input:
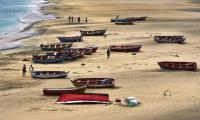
[169,39]
[60,91]
[70,39]
[125,48]
[182,66]
[94,82]
[93,33]
[55,47]
[89,98]
[49,74]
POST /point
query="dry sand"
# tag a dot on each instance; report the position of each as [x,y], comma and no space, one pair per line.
[136,75]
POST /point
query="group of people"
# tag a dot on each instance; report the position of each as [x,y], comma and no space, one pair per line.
[31,69]
[71,19]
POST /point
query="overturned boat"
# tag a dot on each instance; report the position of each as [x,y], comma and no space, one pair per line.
[60,91]
[90,98]
[49,74]
[170,39]
[188,66]
[71,39]
[93,32]
[55,46]
[94,82]
[125,48]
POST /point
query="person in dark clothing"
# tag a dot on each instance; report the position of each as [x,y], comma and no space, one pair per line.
[108,53]
[69,18]
[117,16]
[24,70]
[86,20]
[79,19]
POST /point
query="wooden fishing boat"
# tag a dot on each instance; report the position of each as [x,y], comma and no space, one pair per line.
[71,39]
[47,59]
[124,23]
[170,39]
[60,91]
[94,48]
[129,19]
[94,82]
[85,51]
[134,19]
[49,74]
[188,66]
[90,98]
[120,20]
[125,48]
[55,46]
[93,32]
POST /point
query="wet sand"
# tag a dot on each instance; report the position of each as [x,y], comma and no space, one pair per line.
[136,75]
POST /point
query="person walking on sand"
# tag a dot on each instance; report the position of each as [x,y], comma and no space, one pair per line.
[24,70]
[108,53]
[31,69]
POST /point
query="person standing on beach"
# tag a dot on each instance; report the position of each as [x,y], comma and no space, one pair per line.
[86,20]
[69,18]
[31,69]
[24,70]
[117,17]
[79,19]
[108,53]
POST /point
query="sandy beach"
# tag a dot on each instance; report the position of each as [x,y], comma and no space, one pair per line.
[137,75]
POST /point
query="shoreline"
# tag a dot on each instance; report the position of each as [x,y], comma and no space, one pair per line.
[9,41]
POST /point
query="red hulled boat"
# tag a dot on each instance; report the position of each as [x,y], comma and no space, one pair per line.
[94,82]
[60,91]
[91,98]
[188,66]
[125,48]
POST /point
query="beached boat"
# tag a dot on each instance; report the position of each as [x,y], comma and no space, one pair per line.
[60,91]
[129,19]
[124,23]
[90,98]
[94,82]
[47,59]
[125,48]
[170,39]
[55,46]
[188,66]
[134,19]
[49,74]
[71,39]
[93,32]
[94,48]
[85,50]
